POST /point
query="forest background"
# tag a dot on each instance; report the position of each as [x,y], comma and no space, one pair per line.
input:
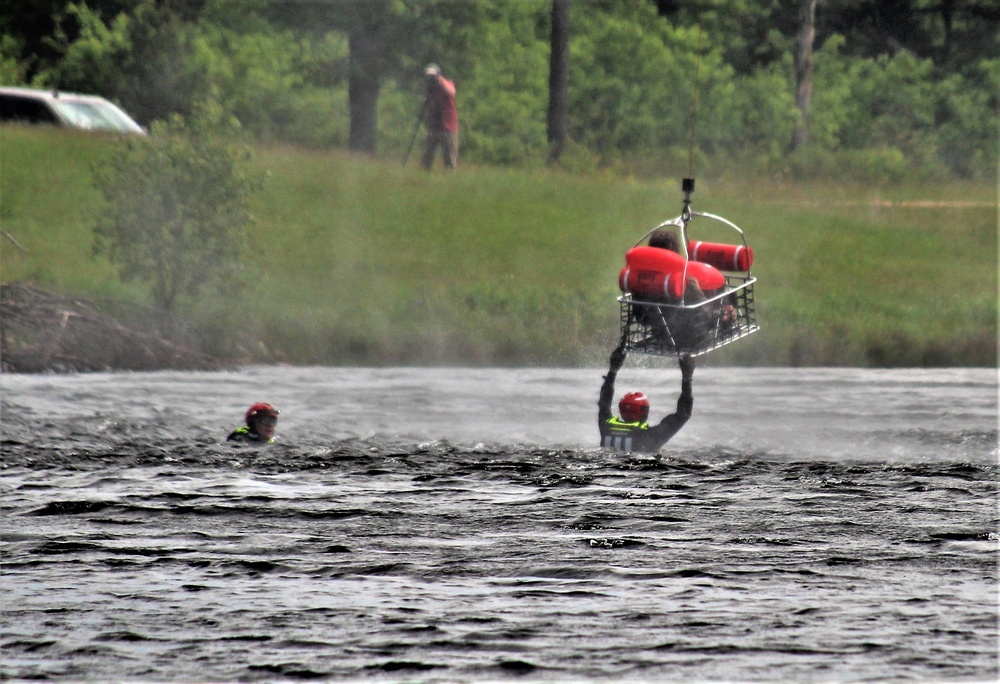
[856,142]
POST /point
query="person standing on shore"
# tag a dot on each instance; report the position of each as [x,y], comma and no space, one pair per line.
[441,119]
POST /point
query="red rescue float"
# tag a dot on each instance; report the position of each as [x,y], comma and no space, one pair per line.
[659,273]
[658,317]
[723,257]
[709,278]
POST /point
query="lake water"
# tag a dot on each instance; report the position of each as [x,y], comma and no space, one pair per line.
[456,525]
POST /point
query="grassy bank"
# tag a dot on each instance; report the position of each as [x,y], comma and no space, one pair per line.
[369,263]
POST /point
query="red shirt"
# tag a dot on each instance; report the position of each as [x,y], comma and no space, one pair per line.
[442,114]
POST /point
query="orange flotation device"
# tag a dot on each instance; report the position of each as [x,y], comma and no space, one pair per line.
[659,273]
[723,257]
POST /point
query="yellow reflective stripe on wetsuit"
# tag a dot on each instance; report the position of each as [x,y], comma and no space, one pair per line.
[249,435]
[622,433]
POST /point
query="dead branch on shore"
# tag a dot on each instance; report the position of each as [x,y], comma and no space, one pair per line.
[41,331]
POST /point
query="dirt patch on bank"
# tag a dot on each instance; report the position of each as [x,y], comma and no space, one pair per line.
[41,331]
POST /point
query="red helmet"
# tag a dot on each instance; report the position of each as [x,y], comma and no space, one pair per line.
[634,406]
[260,409]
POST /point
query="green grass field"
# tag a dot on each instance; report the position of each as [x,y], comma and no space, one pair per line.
[358,261]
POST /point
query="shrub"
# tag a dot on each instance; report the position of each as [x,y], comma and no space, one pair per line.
[176,208]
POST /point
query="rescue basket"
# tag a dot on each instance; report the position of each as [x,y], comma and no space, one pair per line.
[660,318]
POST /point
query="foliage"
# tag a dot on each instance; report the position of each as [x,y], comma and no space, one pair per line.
[282,103]
[176,208]
[895,103]
[904,80]
[11,69]
[506,81]
[91,58]
[967,125]
[137,58]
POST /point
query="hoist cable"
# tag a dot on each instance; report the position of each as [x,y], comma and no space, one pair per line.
[694,105]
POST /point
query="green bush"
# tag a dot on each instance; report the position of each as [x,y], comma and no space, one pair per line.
[176,209]
[261,78]
[939,125]
[502,101]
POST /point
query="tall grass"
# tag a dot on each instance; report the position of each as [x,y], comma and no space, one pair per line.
[363,262]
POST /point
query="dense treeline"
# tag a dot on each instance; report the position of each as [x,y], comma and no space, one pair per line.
[898,87]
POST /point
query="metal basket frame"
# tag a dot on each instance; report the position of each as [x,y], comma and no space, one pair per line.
[689,327]
[660,328]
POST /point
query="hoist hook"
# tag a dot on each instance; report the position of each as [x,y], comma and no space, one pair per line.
[687,187]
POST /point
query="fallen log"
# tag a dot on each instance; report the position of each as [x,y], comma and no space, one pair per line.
[41,331]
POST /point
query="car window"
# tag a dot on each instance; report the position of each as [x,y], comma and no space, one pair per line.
[14,108]
[101,116]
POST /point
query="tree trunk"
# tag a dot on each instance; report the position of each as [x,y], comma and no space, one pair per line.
[947,8]
[558,79]
[804,69]
[363,87]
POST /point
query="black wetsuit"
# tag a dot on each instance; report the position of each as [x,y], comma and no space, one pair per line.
[245,434]
[623,436]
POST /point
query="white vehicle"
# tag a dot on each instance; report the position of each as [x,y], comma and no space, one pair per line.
[55,108]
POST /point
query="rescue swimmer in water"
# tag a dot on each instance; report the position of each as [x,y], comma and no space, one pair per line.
[630,430]
[682,298]
[261,422]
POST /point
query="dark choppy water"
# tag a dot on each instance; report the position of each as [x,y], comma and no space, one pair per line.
[457,525]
